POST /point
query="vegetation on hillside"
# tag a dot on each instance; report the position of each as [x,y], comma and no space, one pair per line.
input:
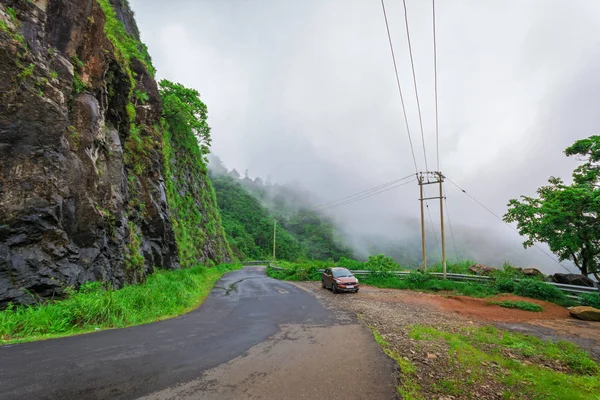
[566,217]
[248,225]
[165,294]
[249,208]
[195,215]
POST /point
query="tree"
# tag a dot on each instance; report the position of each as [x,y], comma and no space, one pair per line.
[184,105]
[566,217]
[234,174]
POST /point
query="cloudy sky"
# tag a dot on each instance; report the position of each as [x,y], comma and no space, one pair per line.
[305,91]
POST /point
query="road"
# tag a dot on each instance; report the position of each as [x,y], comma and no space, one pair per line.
[253,338]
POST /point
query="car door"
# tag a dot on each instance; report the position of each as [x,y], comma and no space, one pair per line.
[327,277]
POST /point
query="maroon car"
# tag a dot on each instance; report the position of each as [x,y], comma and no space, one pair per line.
[339,280]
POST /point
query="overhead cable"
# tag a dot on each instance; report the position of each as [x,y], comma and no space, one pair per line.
[437,131]
[507,224]
[367,195]
[363,192]
[412,64]
[387,26]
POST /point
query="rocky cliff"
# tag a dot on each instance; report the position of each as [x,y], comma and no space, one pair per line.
[82,182]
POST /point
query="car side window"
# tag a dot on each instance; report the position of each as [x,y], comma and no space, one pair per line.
[327,271]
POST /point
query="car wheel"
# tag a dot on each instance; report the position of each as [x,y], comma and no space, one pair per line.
[333,288]
[323,284]
[356,291]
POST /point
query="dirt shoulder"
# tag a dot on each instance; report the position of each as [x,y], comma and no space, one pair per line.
[431,336]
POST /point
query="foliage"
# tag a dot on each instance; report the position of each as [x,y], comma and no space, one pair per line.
[566,216]
[505,285]
[590,299]
[458,267]
[306,271]
[184,104]
[165,294]
[381,262]
[191,197]
[314,235]
[134,260]
[248,225]
[538,290]
[577,378]
[26,72]
[127,47]
[419,277]
[351,264]
[425,281]
[521,305]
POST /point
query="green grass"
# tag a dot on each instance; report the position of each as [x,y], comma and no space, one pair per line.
[428,283]
[521,305]
[474,347]
[165,294]
[408,387]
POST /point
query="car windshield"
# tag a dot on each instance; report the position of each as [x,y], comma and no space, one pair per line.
[341,273]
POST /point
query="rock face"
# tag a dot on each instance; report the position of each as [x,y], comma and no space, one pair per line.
[572,279]
[481,269]
[585,313]
[82,194]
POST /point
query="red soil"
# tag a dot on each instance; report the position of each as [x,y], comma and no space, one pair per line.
[472,307]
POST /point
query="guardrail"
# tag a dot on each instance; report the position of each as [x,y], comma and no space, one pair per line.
[259,262]
[571,290]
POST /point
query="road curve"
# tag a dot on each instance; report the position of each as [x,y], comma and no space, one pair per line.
[253,338]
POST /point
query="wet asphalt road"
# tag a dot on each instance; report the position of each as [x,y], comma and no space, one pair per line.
[245,310]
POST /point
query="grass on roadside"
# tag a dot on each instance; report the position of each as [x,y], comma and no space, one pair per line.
[165,294]
[557,371]
[408,388]
[521,305]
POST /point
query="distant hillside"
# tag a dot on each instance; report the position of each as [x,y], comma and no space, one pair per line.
[249,207]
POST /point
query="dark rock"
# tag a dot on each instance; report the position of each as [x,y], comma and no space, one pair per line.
[66,201]
[572,279]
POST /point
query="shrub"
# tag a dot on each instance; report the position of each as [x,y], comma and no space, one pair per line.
[505,285]
[418,277]
[521,305]
[351,264]
[381,263]
[590,299]
[538,290]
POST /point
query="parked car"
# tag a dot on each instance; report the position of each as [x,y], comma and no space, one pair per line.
[339,280]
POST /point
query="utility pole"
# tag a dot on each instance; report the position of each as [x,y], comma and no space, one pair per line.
[423,248]
[441,179]
[274,237]
[437,178]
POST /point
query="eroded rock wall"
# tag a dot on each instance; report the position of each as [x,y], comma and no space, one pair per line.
[82,194]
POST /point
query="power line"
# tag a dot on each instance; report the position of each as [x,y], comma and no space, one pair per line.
[387,26]
[458,257]
[412,63]
[437,135]
[362,192]
[366,196]
[507,224]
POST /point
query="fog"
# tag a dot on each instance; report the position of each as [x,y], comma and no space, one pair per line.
[304,91]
